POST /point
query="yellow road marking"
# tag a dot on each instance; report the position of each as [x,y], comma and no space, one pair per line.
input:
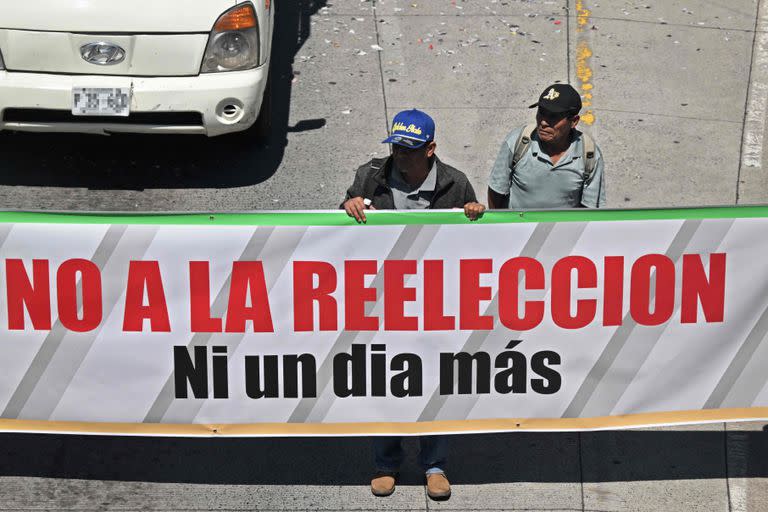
[583,56]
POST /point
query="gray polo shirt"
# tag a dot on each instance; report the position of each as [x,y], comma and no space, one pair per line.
[407,197]
[537,183]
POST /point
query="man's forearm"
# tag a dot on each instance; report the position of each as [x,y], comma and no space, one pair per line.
[497,201]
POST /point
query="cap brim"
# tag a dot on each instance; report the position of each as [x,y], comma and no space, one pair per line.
[405,142]
[551,108]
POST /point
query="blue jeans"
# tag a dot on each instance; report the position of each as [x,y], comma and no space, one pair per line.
[388,453]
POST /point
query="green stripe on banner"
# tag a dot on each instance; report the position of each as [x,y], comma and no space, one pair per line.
[378,218]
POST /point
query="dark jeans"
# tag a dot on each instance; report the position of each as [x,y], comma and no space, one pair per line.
[388,453]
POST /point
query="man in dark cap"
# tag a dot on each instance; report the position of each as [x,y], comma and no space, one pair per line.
[550,164]
[412,178]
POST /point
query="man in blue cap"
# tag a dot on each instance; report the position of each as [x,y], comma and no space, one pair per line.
[413,177]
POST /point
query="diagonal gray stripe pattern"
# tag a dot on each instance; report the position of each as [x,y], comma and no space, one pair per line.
[54,338]
[404,248]
[251,252]
[599,370]
[628,348]
[746,376]
[52,370]
[5,230]
[113,256]
[560,239]
[641,342]
[412,244]
[280,248]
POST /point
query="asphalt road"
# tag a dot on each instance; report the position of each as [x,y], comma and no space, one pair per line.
[678,97]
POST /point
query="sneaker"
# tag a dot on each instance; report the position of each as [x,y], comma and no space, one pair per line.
[383,483]
[438,487]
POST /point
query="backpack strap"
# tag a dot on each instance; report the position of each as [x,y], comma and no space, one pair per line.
[523,143]
[590,160]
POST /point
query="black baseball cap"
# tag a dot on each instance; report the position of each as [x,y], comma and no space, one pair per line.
[559,98]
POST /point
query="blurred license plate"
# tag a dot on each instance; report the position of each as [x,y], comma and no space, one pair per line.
[97,101]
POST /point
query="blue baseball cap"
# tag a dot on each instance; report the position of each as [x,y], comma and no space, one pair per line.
[411,129]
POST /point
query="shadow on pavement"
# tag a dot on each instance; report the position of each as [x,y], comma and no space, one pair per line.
[138,162]
[475,459]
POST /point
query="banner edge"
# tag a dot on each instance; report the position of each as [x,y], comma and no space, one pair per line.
[621,422]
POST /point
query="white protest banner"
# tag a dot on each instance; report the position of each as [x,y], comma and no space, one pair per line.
[303,323]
